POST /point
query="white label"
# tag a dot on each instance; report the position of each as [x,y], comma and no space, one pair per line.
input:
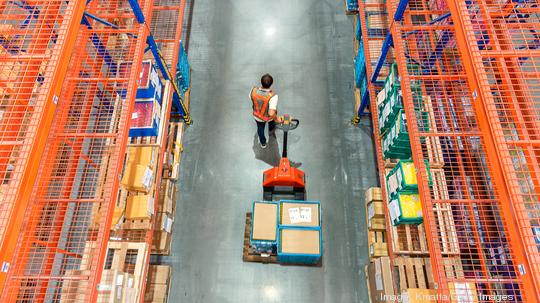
[119,279]
[55,99]
[5,266]
[378,276]
[119,292]
[294,215]
[104,287]
[167,224]
[130,282]
[134,115]
[371,250]
[371,210]
[522,270]
[150,206]
[305,214]
[147,178]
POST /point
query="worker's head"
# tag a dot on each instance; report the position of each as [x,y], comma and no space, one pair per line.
[266,81]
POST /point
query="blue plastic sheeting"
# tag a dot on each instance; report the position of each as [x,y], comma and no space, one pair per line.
[352,5]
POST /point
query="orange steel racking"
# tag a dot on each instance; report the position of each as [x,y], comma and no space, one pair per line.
[35,36]
[66,224]
[470,83]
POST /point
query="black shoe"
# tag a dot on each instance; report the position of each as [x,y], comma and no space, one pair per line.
[264,145]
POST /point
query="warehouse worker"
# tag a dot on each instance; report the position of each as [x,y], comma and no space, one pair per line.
[265,103]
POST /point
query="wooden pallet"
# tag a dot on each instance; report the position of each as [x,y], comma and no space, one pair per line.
[249,255]
[413,273]
[409,239]
[446,229]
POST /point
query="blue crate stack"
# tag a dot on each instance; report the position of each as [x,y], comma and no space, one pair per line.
[301,230]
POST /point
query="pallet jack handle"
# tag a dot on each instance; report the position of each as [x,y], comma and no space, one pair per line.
[287,125]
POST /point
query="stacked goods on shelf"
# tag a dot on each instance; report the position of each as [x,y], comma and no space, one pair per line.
[375,220]
[158,284]
[263,233]
[402,189]
[351,7]
[171,160]
[380,280]
[299,232]
[183,76]
[146,116]
[123,272]
[377,239]
[395,141]
[116,286]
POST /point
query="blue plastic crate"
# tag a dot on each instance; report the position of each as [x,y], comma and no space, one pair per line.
[263,245]
[284,204]
[149,84]
[300,234]
[352,5]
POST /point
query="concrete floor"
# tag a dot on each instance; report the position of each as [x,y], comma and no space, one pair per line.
[307,46]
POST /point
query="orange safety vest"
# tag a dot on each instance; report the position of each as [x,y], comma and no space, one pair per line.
[261,99]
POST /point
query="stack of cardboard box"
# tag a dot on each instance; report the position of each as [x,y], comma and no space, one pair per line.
[377,244]
[158,283]
[161,241]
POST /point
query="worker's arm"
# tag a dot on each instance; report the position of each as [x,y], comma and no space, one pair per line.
[272,109]
[274,116]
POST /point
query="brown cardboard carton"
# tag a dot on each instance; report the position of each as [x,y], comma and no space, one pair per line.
[373,194]
[138,177]
[289,208]
[142,155]
[380,280]
[300,241]
[139,207]
[264,221]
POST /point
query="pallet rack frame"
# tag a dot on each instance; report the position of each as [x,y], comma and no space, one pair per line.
[486,209]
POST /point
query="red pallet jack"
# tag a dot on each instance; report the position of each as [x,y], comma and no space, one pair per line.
[284,182]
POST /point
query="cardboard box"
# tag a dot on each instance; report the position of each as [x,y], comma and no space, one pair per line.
[264,221]
[418,295]
[375,209]
[288,208]
[159,274]
[377,244]
[142,155]
[139,207]
[138,178]
[113,286]
[380,280]
[376,224]
[373,194]
[300,241]
[167,197]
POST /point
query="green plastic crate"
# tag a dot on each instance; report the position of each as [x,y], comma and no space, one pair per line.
[406,208]
[402,178]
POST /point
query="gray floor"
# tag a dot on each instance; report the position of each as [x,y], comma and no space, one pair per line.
[307,46]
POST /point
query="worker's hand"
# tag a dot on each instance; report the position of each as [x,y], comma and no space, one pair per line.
[279,119]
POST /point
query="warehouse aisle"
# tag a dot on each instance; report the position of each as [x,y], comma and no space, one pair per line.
[307,46]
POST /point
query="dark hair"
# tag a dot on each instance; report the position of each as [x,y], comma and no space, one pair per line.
[266,81]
